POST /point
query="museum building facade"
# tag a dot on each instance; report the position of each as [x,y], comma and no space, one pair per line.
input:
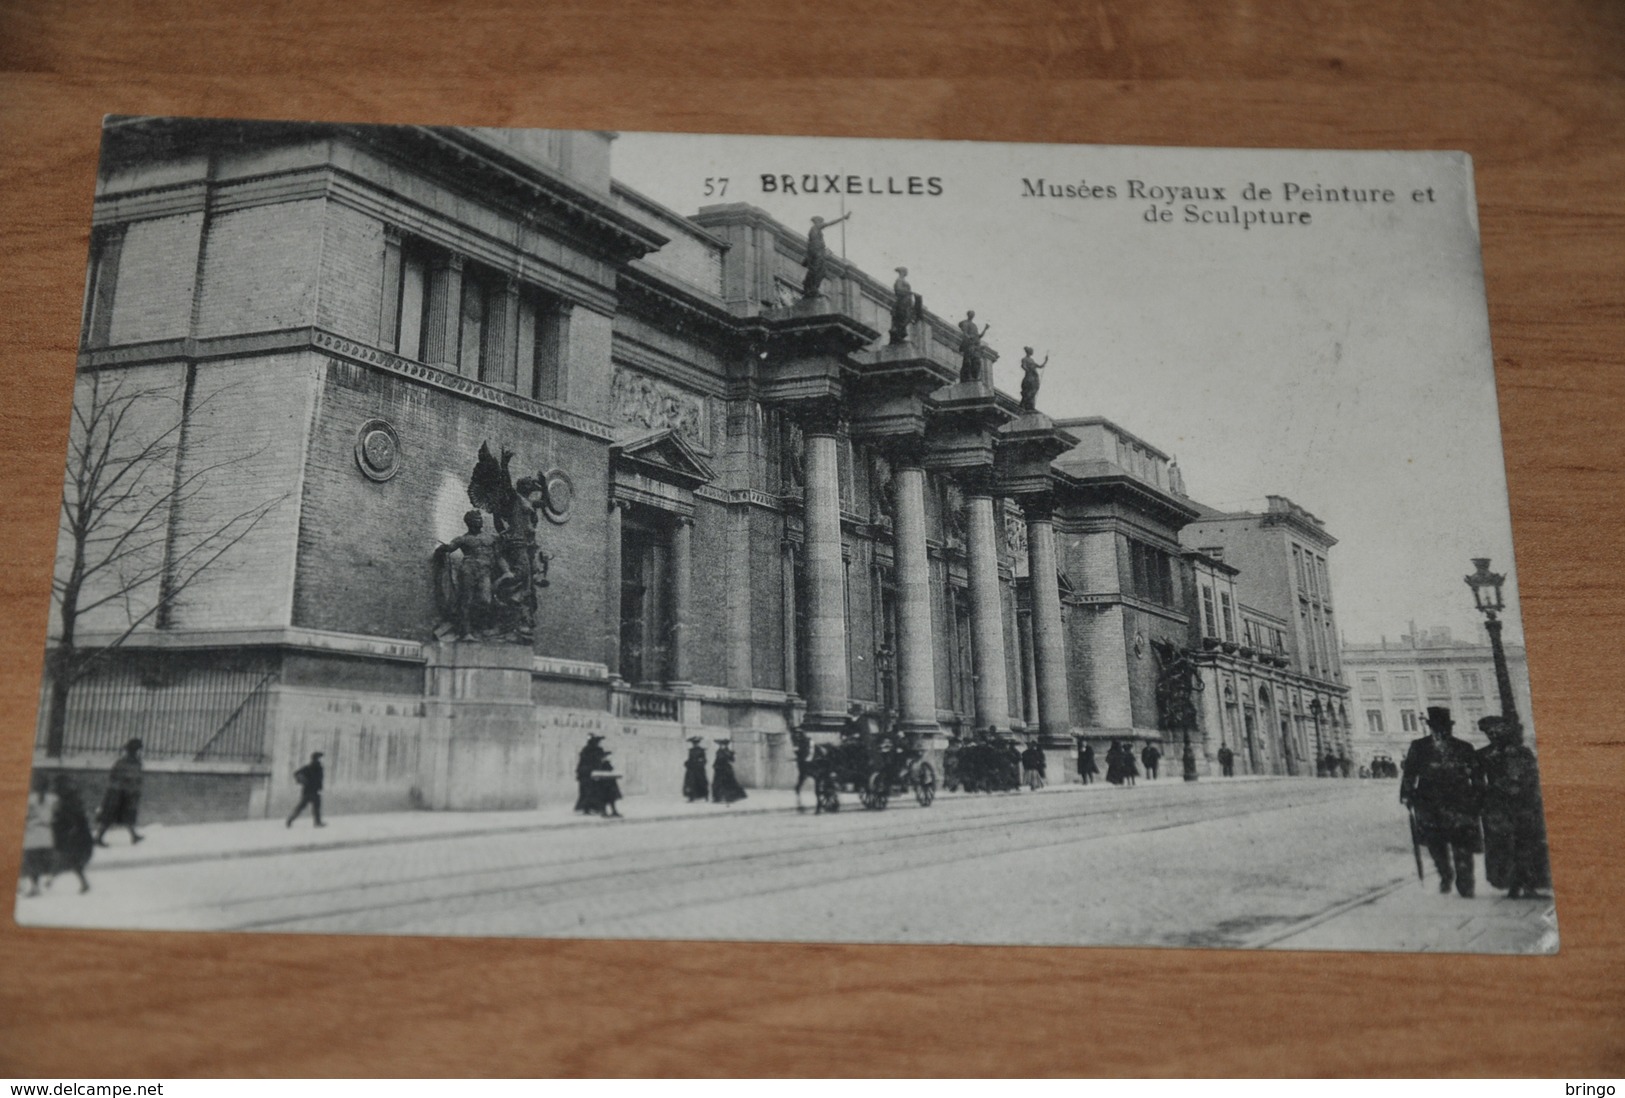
[734,506]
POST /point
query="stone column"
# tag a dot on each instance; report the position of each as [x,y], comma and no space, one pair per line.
[682,568]
[916,651]
[389,313]
[612,589]
[1029,676]
[827,687]
[443,330]
[1049,651]
[987,617]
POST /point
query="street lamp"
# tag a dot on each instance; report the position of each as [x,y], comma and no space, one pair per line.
[1486,588]
[1314,711]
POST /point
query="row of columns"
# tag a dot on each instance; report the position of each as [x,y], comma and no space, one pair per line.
[827,689]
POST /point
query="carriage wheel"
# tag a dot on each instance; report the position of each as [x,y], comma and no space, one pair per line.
[827,794]
[925,785]
[876,791]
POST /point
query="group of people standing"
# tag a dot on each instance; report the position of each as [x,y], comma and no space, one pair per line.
[723,786]
[1464,802]
[1121,768]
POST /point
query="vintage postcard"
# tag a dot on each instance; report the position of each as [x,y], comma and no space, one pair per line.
[545,533]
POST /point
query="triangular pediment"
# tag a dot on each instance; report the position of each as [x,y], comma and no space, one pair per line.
[663,455]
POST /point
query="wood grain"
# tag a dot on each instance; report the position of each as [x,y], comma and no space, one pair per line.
[1534,90]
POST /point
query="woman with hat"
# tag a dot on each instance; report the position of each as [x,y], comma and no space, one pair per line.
[606,787]
[70,831]
[122,801]
[725,787]
[695,787]
[1515,855]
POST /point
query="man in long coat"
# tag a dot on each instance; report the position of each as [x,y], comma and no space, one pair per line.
[122,801]
[1514,821]
[1440,785]
[586,762]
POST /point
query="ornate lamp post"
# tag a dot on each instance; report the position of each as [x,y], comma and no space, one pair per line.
[1486,587]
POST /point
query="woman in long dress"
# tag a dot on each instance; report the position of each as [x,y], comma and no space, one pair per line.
[695,786]
[725,787]
[70,831]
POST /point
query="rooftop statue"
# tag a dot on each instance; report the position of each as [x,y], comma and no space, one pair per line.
[970,347]
[1029,380]
[818,255]
[907,307]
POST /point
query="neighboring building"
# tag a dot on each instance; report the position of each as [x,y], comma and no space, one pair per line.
[1394,683]
[1273,657]
[755,510]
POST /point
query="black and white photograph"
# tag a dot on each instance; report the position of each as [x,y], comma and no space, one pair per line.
[550,533]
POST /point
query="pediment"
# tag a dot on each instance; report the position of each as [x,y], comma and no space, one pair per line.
[664,456]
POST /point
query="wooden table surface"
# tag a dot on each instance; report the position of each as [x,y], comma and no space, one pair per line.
[1534,90]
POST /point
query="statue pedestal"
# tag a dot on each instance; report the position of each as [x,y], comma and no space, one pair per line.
[483,748]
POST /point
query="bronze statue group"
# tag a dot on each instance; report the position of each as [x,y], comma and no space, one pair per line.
[1463,802]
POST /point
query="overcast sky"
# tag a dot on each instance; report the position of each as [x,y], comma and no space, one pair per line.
[1345,363]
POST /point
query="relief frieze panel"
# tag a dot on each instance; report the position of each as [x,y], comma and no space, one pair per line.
[648,403]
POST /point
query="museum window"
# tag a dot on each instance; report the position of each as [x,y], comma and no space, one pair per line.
[1438,684]
[646,610]
[1475,713]
[1370,686]
[479,327]
[101,283]
[1152,573]
[1229,616]
[542,367]
[1404,684]
[1373,721]
[411,301]
[1210,616]
[1407,720]
[1471,683]
[963,670]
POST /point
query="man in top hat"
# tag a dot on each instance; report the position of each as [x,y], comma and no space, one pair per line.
[1440,785]
[122,801]
[310,779]
[591,755]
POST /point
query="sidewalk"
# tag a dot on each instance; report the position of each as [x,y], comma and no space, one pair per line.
[1413,916]
[180,844]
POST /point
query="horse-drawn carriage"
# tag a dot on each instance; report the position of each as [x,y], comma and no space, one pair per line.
[874,762]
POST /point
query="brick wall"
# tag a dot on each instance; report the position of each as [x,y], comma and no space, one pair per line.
[365,546]
[261,268]
[352,270]
[245,447]
[157,271]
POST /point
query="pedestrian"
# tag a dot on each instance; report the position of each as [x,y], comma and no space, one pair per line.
[1087,769]
[1151,757]
[1515,856]
[39,847]
[1032,765]
[1114,763]
[606,787]
[1130,770]
[310,778]
[121,803]
[587,762]
[725,787]
[70,832]
[695,786]
[1440,786]
[1227,760]
[804,768]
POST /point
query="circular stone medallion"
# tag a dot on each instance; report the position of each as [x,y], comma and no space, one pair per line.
[561,496]
[378,449]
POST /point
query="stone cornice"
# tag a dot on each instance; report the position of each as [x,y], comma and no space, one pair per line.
[290,340]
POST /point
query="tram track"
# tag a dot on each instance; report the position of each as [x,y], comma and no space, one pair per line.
[652,882]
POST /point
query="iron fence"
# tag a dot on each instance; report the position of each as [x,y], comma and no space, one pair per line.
[205,714]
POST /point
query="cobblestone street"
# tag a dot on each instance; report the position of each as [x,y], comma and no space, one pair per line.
[1291,864]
